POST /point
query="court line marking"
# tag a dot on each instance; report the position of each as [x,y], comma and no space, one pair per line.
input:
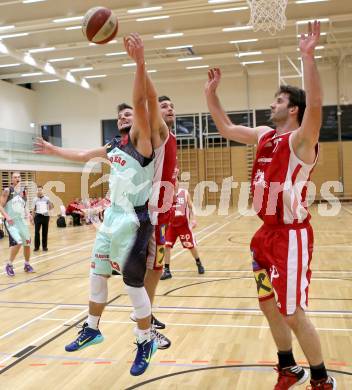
[40,276]
[246,278]
[44,335]
[345,208]
[203,325]
[252,367]
[211,309]
[39,317]
[56,256]
[250,271]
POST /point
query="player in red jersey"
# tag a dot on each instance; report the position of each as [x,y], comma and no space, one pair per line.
[182,222]
[282,247]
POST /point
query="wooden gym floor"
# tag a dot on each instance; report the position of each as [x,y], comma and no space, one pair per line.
[220,339]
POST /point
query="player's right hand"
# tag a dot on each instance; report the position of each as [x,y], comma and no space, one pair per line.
[9,221]
[134,47]
[214,77]
[40,146]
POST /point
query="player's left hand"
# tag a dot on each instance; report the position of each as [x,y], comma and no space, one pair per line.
[214,78]
[194,224]
[309,42]
[134,47]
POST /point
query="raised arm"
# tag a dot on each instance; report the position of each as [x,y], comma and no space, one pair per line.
[307,136]
[159,128]
[43,147]
[238,133]
[140,131]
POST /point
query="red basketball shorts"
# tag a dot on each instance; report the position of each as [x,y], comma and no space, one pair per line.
[186,235]
[281,265]
[156,248]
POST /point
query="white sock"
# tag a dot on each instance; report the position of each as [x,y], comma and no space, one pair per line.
[93,321]
[142,335]
[9,263]
[26,262]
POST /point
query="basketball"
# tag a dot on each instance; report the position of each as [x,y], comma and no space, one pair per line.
[99,25]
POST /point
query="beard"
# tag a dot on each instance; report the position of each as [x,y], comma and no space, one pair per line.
[125,130]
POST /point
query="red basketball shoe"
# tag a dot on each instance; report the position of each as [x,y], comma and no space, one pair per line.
[290,377]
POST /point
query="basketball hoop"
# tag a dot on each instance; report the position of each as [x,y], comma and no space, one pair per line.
[268,15]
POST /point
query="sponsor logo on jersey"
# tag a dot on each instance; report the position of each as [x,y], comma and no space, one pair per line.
[117,160]
[101,257]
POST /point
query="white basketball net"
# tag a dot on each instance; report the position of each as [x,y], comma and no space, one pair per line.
[268,15]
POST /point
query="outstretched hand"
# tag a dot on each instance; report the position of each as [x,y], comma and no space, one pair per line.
[134,47]
[40,146]
[214,77]
[309,42]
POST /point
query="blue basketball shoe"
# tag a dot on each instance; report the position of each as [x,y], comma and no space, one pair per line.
[86,336]
[145,351]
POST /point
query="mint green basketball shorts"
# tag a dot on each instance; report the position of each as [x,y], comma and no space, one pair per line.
[18,232]
[121,244]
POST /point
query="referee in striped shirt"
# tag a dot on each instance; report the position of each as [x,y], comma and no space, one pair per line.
[41,207]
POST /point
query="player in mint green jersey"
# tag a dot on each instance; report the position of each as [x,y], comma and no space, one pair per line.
[13,208]
[122,239]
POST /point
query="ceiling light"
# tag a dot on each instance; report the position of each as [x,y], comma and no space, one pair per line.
[322,34]
[113,41]
[49,81]
[312,21]
[218,11]
[73,28]
[248,53]
[32,1]
[129,65]
[28,59]
[81,69]
[49,68]
[245,40]
[238,28]
[219,1]
[97,76]
[62,59]
[152,71]
[71,19]
[13,35]
[3,48]
[85,84]
[9,65]
[172,35]
[70,78]
[179,47]
[308,1]
[117,53]
[31,74]
[189,59]
[198,67]
[153,18]
[141,10]
[41,49]
[316,57]
[2,28]
[251,62]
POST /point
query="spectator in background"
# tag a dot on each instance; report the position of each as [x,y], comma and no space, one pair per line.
[74,209]
[41,207]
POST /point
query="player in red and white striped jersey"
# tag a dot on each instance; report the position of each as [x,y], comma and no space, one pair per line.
[282,247]
[181,225]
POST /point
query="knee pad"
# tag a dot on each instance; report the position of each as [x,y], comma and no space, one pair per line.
[98,288]
[140,301]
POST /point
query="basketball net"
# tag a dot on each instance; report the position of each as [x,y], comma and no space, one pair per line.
[268,15]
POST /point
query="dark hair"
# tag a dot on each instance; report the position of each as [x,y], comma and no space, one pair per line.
[39,187]
[163,98]
[122,107]
[297,98]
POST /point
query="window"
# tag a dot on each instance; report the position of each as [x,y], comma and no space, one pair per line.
[52,134]
[110,130]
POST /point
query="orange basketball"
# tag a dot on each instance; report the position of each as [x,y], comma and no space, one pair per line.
[99,25]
